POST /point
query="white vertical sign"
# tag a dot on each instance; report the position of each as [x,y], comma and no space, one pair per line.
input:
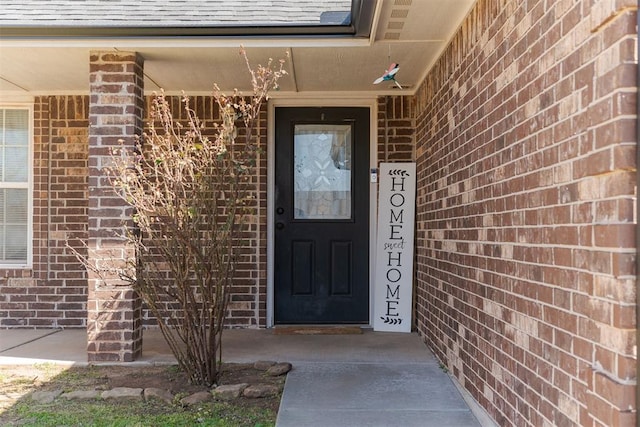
[393,281]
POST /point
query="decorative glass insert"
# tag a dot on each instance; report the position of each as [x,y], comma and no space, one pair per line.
[322,171]
[14,186]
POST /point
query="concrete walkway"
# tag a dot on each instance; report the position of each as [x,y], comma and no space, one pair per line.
[373,379]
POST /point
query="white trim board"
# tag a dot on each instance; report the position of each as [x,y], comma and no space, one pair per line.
[29,106]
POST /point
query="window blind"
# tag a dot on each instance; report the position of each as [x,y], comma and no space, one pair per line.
[14,185]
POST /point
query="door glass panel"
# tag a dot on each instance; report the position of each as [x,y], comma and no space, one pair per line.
[322,171]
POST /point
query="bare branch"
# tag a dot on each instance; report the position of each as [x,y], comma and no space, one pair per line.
[189,185]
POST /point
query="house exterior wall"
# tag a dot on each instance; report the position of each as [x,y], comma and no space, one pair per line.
[524,133]
[247,307]
[526,140]
[53,293]
[116,117]
[396,129]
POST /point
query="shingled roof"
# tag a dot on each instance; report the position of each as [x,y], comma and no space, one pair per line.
[172,13]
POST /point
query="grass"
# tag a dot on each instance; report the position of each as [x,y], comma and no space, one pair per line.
[101,414]
[18,409]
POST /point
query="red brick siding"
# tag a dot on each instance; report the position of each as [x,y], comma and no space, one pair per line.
[526,195]
[53,292]
[42,142]
[68,206]
[116,114]
[249,294]
[396,129]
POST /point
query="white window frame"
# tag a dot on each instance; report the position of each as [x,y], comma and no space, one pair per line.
[28,186]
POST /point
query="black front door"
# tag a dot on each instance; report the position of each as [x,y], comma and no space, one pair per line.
[322,215]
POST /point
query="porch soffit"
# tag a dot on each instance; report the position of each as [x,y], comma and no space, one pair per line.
[410,32]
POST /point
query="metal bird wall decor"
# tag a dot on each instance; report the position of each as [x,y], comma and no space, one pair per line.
[389,75]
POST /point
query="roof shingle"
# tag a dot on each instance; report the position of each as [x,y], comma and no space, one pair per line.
[170,13]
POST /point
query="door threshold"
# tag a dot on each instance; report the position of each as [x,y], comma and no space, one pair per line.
[319,329]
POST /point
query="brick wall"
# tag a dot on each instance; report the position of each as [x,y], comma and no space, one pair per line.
[116,117]
[67,222]
[53,292]
[396,128]
[526,196]
[247,305]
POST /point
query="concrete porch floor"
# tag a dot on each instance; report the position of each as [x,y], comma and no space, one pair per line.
[372,379]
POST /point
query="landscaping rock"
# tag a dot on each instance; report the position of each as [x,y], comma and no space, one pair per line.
[194,399]
[260,390]
[123,393]
[81,395]
[229,391]
[45,396]
[158,393]
[263,365]
[279,369]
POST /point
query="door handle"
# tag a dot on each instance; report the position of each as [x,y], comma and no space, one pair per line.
[280,211]
[279,225]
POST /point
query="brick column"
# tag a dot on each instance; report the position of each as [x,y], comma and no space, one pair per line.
[114,326]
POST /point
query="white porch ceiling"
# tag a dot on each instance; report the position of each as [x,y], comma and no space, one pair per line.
[412,33]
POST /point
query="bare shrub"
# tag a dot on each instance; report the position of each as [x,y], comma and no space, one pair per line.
[192,193]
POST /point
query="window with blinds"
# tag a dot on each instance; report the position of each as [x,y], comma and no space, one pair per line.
[15,174]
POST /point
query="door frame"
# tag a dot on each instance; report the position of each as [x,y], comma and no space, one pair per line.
[370,103]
